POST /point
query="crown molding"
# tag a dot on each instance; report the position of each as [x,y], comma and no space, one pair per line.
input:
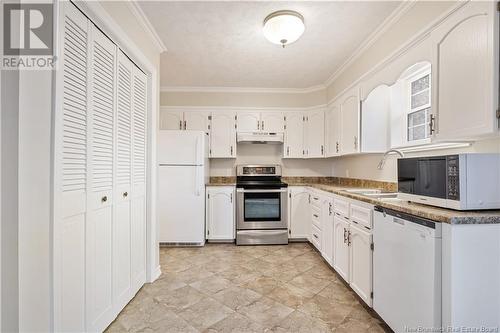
[243,89]
[146,24]
[241,108]
[396,14]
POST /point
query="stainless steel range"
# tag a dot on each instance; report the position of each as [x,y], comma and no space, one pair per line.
[261,205]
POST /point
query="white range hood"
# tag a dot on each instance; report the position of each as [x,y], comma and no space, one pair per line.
[259,137]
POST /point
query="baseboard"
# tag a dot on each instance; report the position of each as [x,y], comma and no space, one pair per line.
[155,274]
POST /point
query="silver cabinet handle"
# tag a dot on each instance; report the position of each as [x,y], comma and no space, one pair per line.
[258,124]
[288,150]
[104,199]
[355,142]
[315,236]
[180,124]
[330,209]
[431,124]
[185,124]
[345,235]
[349,238]
[337,146]
[242,190]
[231,197]
[316,215]
[262,124]
[125,194]
[322,150]
[316,198]
[231,150]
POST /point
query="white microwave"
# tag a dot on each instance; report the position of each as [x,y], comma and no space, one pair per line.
[462,182]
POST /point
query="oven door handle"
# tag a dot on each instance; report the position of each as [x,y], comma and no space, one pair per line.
[241,190]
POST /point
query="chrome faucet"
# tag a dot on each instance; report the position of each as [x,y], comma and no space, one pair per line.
[384,158]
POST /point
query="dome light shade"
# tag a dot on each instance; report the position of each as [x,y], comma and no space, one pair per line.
[283,27]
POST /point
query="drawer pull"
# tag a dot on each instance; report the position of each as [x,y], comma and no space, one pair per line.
[315,236]
[315,198]
[315,215]
[104,198]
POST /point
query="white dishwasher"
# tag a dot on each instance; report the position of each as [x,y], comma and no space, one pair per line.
[406,270]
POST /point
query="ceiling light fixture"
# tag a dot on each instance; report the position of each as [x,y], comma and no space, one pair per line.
[283,27]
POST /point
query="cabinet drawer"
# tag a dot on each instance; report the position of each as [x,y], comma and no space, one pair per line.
[315,200]
[316,237]
[361,215]
[341,207]
[316,217]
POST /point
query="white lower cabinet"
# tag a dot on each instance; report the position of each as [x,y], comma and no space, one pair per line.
[341,247]
[360,261]
[327,231]
[299,226]
[220,213]
[340,229]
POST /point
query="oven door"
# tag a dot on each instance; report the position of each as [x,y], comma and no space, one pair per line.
[261,208]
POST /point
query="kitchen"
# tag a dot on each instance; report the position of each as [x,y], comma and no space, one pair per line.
[255,166]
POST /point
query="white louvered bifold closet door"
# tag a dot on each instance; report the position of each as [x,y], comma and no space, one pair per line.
[100,200]
[122,277]
[71,172]
[139,112]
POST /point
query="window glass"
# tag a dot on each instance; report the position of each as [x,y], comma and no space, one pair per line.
[418,115]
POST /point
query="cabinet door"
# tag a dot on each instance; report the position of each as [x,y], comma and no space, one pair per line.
[248,121]
[341,247]
[272,122]
[464,80]
[197,121]
[138,200]
[220,213]
[294,135]
[332,131]
[349,122]
[375,111]
[171,119]
[299,216]
[99,233]
[223,135]
[71,172]
[122,291]
[327,231]
[361,262]
[315,134]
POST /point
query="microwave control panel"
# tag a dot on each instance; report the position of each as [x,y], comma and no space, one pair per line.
[453,187]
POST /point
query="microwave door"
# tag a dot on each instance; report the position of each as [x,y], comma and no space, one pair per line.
[431,178]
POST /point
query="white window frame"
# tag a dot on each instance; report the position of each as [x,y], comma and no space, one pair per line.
[408,110]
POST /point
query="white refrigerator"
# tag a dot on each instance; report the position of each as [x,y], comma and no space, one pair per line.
[183,172]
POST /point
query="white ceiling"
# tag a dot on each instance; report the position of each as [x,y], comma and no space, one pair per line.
[220,44]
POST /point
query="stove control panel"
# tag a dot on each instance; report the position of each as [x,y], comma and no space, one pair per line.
[258,170]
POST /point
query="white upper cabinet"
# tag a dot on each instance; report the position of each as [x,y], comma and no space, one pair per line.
[248,121]
[269,121]
[220,213]
[272,122]
[349,120]
[465,79]
[315,133]
[197,121]
[332,130]
[375,111]
[223,135]
[171,119]
[293,146]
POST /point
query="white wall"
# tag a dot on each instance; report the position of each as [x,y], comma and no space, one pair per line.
[269,154]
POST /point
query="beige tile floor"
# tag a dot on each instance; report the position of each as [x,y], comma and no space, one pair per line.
[228,288]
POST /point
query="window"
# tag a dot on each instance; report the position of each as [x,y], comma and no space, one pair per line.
[419,106]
